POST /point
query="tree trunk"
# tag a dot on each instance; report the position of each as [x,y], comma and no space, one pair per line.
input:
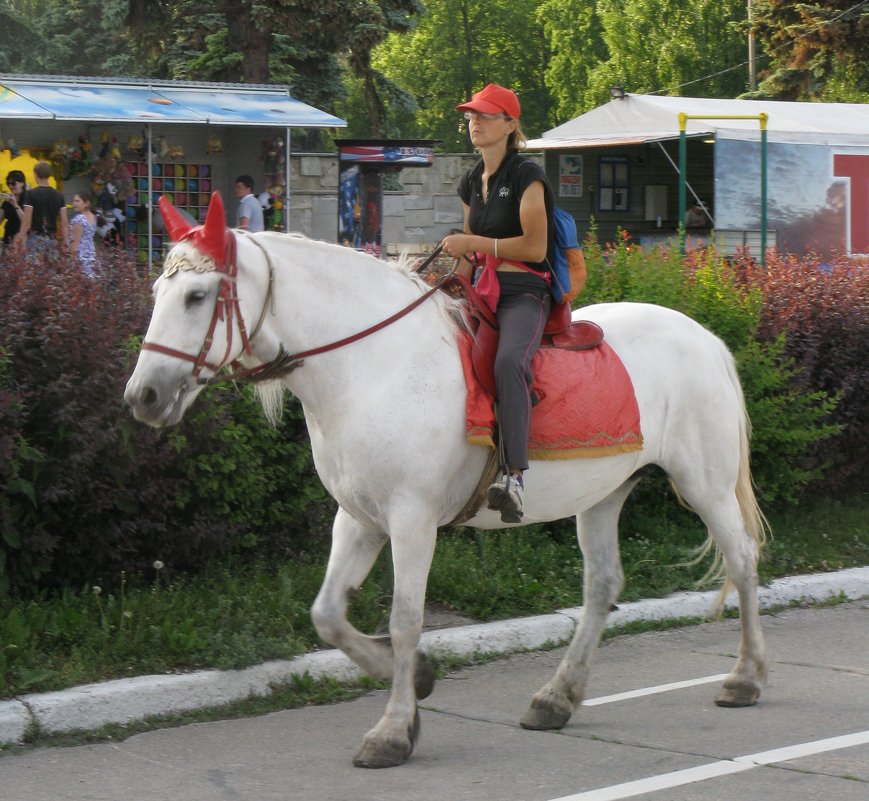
[251,38]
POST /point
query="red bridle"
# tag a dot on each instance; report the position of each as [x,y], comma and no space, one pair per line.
[226,309]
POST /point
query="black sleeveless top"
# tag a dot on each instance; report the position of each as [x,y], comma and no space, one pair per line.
[499,216]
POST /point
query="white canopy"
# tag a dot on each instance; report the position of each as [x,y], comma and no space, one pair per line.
[649,118]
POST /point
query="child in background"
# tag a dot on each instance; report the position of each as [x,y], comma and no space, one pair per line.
[84,226]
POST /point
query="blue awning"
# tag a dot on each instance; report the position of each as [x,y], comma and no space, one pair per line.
[13,106]
[102,100]
[251,108]
[102,103]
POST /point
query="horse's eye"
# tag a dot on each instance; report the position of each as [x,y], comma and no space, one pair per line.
[193,297]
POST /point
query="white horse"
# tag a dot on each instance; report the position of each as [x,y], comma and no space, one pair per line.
[386,417]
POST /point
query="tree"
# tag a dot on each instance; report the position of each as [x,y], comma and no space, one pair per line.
[575,34]
[306,44]
[298,42]
[57,37]
[818,50]
[457,48]
[671,47]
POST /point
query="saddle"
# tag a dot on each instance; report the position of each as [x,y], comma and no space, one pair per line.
[560,331]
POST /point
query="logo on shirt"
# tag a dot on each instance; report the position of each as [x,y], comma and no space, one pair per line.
[504,191]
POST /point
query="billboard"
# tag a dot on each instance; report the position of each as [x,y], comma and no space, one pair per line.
[817,194]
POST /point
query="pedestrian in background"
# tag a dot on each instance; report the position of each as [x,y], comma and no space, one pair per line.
[11,210]
[84,226]
[250,212]
[44,208]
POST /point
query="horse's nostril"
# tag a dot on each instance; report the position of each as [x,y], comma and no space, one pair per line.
[149,397]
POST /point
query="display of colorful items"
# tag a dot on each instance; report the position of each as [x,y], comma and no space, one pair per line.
[275,180]
[187,186]
[75,159]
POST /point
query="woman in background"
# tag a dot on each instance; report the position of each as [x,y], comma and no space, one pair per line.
[84,226]
[11,210]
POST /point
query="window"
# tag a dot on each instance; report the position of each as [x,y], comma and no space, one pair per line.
[614,183]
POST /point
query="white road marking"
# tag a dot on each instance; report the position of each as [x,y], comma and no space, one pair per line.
[660,688]
[714,769]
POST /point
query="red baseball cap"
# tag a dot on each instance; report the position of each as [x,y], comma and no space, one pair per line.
[493,99]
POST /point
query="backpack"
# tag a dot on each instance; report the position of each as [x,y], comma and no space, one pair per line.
[568,267]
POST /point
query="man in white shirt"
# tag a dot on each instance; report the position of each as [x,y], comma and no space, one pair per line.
[250,213]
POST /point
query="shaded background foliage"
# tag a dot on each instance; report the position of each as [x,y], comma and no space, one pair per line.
[85,491]
[821,314]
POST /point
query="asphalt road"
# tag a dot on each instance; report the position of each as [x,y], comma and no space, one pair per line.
[637,736]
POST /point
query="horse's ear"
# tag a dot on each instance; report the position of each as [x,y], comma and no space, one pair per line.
[176,225]
[211,238]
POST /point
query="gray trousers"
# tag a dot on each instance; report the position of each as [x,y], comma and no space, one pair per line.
[523,308]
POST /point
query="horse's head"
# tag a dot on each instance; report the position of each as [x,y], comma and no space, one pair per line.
[196,311]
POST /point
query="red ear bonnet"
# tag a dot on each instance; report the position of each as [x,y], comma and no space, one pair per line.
[209,237]
[176,226]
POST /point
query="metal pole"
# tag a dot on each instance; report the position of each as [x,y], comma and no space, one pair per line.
[150,194]
[288,174]
[763,118]
[683,158]
[752,71]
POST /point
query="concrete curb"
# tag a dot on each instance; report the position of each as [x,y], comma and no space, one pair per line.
[91,706]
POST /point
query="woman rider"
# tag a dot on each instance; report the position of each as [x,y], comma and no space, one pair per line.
[509,223]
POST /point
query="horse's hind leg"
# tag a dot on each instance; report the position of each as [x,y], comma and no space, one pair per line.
[552,705]
[354,551]
[743,685]
[721,512]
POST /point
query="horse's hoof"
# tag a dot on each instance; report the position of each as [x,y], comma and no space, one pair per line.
[544,715]
[737,694]
[389,754]
[424,677]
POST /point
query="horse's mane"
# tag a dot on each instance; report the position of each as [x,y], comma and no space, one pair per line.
[453,311]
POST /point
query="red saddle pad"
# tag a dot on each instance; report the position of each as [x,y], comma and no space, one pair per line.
[587,407]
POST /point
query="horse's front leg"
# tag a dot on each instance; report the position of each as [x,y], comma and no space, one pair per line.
[354,551]
[392,740]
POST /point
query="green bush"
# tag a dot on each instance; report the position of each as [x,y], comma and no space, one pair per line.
[87,492]
[788,422]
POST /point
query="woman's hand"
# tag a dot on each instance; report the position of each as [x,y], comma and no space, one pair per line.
[457,245]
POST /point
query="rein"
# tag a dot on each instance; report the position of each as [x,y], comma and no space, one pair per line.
[227,305]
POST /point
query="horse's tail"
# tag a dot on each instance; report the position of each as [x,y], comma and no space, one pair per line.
[755,522]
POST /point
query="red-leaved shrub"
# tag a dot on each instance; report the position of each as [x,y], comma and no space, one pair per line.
[823,312]
[87,492]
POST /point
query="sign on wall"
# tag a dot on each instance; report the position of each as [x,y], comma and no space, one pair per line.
[570,176]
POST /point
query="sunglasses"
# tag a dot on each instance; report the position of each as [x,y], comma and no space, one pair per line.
[479,115]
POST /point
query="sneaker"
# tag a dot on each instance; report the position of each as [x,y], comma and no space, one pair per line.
[505,496]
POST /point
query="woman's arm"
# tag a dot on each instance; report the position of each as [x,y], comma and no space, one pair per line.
[464,268]
[77,230]
[20,239]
